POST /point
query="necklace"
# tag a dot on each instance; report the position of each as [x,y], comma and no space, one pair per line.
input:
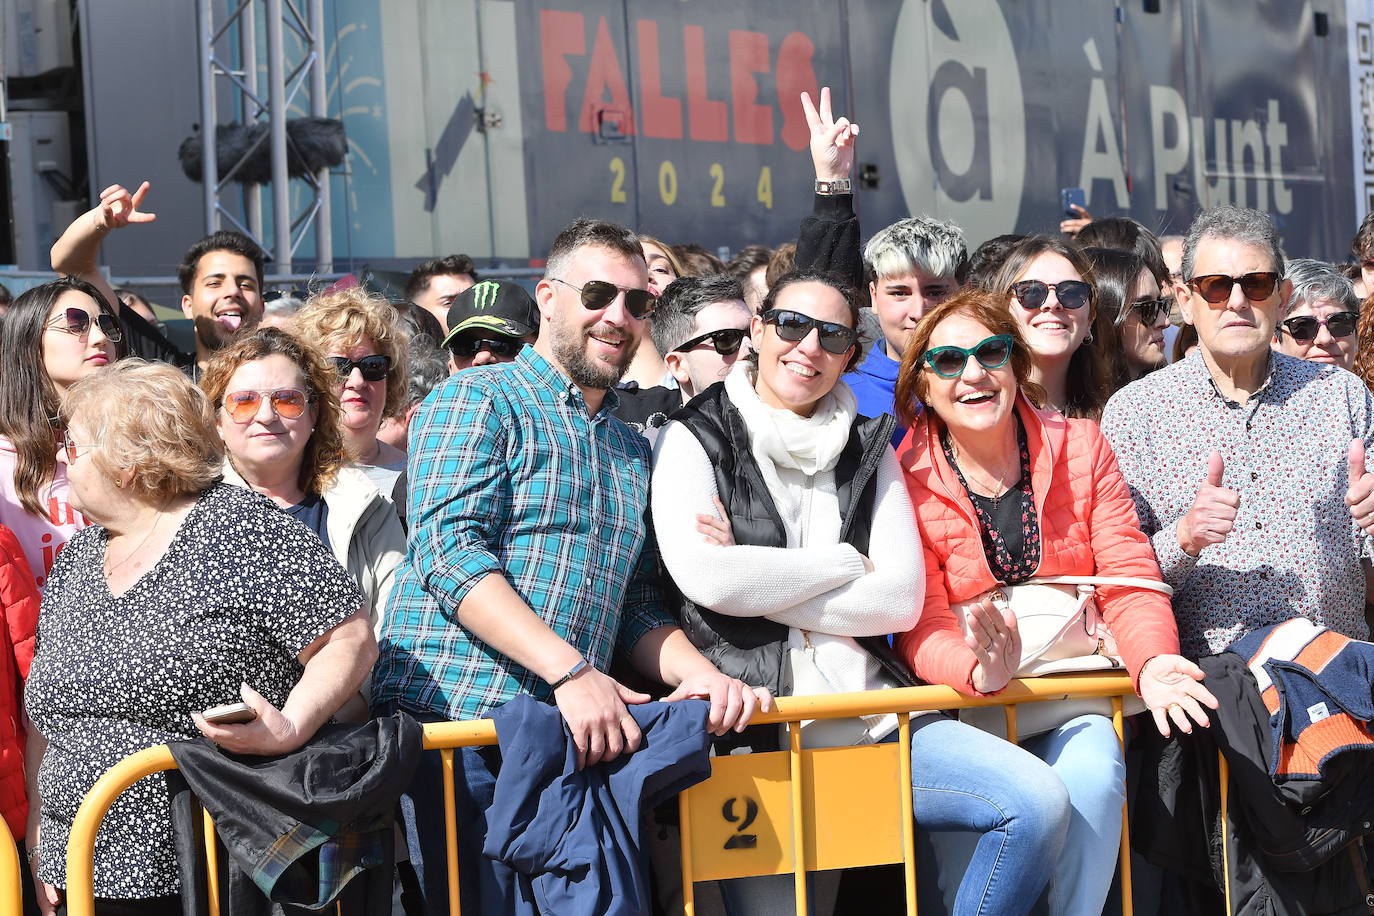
[110,570]
[998,489]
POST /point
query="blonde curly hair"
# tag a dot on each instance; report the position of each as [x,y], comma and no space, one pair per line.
[338,320]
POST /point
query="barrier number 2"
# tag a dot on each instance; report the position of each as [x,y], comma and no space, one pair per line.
[741,840]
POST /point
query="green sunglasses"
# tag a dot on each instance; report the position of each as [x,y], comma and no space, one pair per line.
[949,362]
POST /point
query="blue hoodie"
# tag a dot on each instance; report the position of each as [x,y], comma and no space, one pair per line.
[874,383]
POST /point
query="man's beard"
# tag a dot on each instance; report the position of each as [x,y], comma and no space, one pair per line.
[211,334]
[570,349]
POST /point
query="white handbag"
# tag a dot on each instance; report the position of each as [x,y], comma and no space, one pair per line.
[1062,631]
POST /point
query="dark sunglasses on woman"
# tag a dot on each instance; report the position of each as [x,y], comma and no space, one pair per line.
[725,340]
[1216,288]
[949,362]
[374,368]
[598,294]
[1072,294]
[794,326]
[288,403]
[77,321]
[1149,310]
[1305,328]
[497,346]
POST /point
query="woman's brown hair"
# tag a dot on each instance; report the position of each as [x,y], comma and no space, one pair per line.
[982,306]
[1085,392]
[324,453]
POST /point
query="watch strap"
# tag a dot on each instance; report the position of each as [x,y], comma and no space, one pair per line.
[831,188]
[573,672]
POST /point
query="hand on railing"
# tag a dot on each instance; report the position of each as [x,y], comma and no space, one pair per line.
[996,643]
[1169,685]
[593,705]
[733,702]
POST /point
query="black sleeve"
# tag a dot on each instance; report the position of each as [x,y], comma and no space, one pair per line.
[147,341]
[829,240]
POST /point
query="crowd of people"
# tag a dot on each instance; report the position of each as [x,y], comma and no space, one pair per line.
[824,468]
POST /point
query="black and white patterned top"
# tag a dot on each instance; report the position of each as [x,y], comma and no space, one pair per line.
[241,590]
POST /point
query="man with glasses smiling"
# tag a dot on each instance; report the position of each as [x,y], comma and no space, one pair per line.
[1248,465]
[701,326]
[529,565]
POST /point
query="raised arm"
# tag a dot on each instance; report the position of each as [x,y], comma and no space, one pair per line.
[829,238]
[77,252]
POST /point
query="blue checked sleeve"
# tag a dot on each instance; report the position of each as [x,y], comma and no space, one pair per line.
[460,491]
[644,607]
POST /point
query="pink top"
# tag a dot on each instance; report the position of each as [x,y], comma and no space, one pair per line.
[40,536]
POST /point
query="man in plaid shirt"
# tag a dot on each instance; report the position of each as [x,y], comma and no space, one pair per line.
[528,567]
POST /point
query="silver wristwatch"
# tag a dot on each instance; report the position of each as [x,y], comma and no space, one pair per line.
[831,188]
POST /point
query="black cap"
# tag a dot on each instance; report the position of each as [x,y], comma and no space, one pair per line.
[493,305]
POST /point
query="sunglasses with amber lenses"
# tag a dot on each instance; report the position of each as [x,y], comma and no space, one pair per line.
[288,403]
[1216,288]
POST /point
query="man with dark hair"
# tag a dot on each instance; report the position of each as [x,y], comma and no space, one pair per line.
[701,326]
[436,283]
[490,323]
[221,289]
[515,470]
[750,267]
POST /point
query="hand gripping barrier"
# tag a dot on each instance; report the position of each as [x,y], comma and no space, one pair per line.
[789,811]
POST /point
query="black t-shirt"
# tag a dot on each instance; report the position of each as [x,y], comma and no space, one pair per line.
[313,513]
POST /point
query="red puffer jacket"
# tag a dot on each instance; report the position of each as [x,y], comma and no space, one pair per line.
[1088,526]
[19,616]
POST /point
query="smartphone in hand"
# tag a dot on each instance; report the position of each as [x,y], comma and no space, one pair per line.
[230,714]
[1070,198]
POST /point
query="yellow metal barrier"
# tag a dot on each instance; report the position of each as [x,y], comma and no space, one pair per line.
[11,886]
[759,814]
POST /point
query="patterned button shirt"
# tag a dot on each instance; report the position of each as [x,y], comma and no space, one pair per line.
[510,475]
[1294,551]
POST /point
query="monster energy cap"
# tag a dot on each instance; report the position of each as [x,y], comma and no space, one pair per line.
[493,305]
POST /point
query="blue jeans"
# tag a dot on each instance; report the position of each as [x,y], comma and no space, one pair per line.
[1086,757]
[965,779]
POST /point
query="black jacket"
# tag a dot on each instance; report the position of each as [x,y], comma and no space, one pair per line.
[829,241]
[303,829]
[1295,849]
[754,649]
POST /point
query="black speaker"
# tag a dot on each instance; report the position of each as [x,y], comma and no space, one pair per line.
[1321,24]
[1150,6]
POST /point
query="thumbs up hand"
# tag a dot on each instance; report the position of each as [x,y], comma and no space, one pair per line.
[1359,494]
[1214,510]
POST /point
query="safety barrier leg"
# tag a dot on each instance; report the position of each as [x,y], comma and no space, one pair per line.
[11,886]
[1224,772]
[451,831]
[1127,903]
[211,863]
[908,812]
[798,817]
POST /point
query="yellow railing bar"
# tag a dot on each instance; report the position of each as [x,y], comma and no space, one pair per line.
[1224,772]
[211,864]
[1127,904]
[445,735]
[684,816]
[11,881]
[798,816]
[908,812]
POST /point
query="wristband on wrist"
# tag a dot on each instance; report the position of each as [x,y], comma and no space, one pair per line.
[573,672]
[831,188]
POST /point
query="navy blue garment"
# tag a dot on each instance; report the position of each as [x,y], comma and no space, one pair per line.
[572,838]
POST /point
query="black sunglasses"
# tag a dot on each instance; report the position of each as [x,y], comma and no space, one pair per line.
[794,326]
[374,368]
[598,294]
[1072,294]
[725,340]
[77,321]
[1216,288]
[1149,309]
[1305,328]
[497,346]
[949,362]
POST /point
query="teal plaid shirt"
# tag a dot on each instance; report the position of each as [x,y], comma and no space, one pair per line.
[509,475]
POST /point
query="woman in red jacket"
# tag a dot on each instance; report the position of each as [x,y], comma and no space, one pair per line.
[1005,492]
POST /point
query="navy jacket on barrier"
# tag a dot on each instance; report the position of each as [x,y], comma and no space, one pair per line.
[572,837]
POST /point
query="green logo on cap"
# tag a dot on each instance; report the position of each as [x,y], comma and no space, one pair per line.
[484,294]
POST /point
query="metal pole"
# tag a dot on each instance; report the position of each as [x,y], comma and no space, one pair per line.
[248,63]
[276,95]
[319,107]
[209,174]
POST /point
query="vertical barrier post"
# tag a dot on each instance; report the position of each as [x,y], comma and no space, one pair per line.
[798,815]
[908,812]
[1127,903]
[1224,772]
[451,831]
[211,864]
[689,899]
[11,888]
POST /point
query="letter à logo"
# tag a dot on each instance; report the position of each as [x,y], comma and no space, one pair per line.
[484,294]
[958,116]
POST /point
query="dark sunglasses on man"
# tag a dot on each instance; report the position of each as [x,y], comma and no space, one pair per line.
[598,294]
[374,368]
[497,346]
[725,340]
[1032,294]
[794,326]
[1216,288]
[77,322]
[1305,328]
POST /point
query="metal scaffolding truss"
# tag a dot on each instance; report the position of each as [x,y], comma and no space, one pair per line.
[229,68]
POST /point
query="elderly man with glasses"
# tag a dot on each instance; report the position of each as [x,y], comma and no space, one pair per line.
[1248,465]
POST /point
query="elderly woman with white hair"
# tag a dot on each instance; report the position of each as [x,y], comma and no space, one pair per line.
[1323,315]
[183,594]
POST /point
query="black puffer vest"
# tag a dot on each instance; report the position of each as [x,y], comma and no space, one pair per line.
[754,649]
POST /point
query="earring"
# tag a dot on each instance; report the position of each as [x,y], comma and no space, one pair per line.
[1088,338]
